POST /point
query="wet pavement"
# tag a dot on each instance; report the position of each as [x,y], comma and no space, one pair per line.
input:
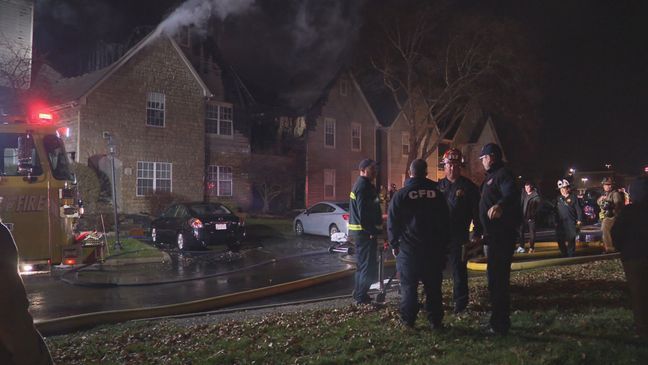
[189,276]
[197,275]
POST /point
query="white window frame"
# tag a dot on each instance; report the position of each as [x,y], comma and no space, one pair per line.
[330,174]
[405,141]
[155,101]
[344,87]
[149,170]
[224,114]
[329,126]
[216,175]
[356,127]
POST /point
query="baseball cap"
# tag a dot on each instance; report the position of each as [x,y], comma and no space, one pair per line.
[366,163]
[491,149]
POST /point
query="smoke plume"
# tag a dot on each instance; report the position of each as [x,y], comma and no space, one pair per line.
[196,13]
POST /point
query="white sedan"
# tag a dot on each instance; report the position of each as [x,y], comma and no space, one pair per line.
[323,219]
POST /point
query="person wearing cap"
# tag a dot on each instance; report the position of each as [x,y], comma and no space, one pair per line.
[365,223]
[418,233]
[530,204]
[20,342]
[500,214]
[569,217]
[630,234]
[462,196]
[611,203]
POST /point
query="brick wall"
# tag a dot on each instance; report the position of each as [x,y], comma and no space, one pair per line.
[345,110]
[232,152]
[118,106]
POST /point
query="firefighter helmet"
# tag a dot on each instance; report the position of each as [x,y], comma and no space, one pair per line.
[607,181]
[563,183]
[453,155]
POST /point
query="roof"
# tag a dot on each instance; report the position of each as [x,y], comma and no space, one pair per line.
[378,97]
[74,88]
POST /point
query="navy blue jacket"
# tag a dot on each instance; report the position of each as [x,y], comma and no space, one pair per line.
[365,216]
[462,197]
[419,217]
[499,188]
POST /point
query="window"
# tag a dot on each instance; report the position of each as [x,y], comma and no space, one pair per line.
[344,87]
[356,137]
[219,180]
[405,142]
[219,120]
[10,159]
[155,109]
[320,208]
[57,157]
[329,132]
[329,183]
[153,177]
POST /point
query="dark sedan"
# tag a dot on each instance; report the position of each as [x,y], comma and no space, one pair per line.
[197,225]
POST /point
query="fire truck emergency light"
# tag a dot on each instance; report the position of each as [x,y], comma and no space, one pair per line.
[46,116]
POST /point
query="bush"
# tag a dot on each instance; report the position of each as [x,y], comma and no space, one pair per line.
[88,185]
[159,201]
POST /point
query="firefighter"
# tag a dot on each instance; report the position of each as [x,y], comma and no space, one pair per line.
[365,223]
[20,342]
[610,203]
[630,234]
[418,228]
[570,216]
[462,196]
[500,214]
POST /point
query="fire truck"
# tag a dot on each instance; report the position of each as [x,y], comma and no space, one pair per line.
[38,199]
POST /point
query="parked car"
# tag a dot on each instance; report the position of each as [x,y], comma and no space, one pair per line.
[323,219]
[197,225]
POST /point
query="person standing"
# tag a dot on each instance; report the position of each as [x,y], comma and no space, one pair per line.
[570,216]
[630,234]
[418,233]
[500,215]
[365,223]
[611,203]
[20,342]
[462,196]
[530,205]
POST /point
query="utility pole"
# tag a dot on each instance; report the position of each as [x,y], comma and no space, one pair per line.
[112,151]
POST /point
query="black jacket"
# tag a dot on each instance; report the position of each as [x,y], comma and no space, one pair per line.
[499,188]
[365,216]
[630,231]
[530,205]
[419,217]
[569,211]
[462,197]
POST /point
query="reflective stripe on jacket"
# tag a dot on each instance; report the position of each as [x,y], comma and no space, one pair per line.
[365,216]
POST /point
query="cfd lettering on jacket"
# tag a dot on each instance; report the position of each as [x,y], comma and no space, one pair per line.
[422,194]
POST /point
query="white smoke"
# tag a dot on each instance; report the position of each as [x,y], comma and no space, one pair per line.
[197,13]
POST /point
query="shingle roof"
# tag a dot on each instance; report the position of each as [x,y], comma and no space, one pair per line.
[73,88]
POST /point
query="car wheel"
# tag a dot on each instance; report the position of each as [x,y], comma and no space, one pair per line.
[181,241]
[333,229]
[299,228]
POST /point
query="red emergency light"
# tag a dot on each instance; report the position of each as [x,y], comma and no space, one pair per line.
[46,116]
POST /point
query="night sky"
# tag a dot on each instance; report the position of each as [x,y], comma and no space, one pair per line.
[592,57]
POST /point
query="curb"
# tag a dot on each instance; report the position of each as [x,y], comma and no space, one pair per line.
[163,257]
[82,321]
[534,264]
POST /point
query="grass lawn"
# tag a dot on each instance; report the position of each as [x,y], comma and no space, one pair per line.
[133,248]
[269,227]
[562,315]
